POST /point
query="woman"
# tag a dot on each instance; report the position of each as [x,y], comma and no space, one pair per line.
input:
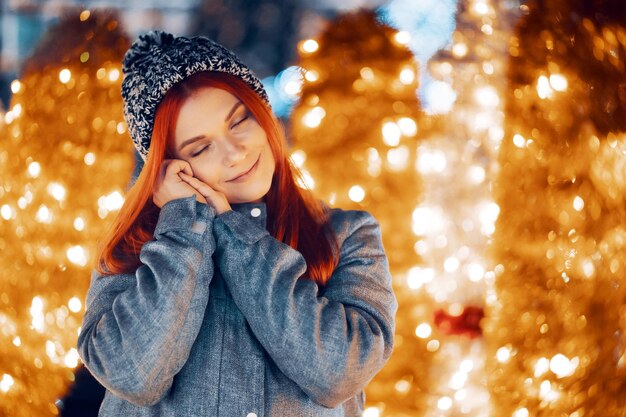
[222,288]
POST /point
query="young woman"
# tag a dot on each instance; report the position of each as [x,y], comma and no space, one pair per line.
[223,288]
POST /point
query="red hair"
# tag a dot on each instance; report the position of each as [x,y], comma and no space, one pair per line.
[294,216]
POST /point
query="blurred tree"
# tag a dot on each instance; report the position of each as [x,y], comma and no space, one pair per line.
[65,159]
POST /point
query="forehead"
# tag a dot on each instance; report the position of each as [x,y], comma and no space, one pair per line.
[202,113]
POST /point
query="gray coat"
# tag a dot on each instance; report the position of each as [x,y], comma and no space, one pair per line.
[216,323]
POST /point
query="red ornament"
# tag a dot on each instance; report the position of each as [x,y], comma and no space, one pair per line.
[467,323]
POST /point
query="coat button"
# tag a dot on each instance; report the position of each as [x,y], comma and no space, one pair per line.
[255,212]
[251,415]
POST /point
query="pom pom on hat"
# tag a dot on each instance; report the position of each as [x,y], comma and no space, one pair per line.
[158,60]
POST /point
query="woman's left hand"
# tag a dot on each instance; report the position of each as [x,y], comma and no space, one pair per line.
[215,198]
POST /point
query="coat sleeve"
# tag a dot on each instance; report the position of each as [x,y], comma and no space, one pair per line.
[139,328]
[333,343]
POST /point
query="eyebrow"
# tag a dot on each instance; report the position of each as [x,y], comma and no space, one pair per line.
[196,138]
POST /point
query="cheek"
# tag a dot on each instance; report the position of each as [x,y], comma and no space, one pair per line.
[208,176]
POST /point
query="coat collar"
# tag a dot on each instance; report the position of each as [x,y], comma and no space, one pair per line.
[255,211]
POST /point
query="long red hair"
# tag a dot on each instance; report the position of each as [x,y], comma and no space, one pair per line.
[294,216]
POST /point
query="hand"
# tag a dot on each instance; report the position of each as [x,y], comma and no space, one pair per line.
[170,186]
[215,198]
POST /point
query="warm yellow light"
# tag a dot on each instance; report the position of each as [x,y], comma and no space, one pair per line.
[423,331]
[541,367]
[444,403]
[407,126]
[6,383]
[391,133]
[503,354]
[74,304]
[356,193]
[562,367]
[16,86]
[418,276]
[476,174]
[451,264]
[314,117]
[579,203]
[481,8]
[367,73]
[371,412]
[460,395]
[458,380]
[459,50]
[34,169]
[431,161]
[432,345]
[520,412]
[89,158]
[17,110]
[403,37]
[558,82]
[407,76]
[43,215]
[79,224]
[427,221]
[71,358]
[84,15]
[488,214]
[467,365]
[111,202]
[312,75]
[398,157]
[56,190]
[77,255]
[476,272]
[65,75]
[17,341]
[519,141]
[309,46]
[588,268]
[36,312]
[298,157]
[544,90]
[403,386]
[114,74]
[6,211]
[306,182]
[487,29]
[487,96]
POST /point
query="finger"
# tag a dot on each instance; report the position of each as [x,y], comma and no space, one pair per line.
[198,185]
[176,166]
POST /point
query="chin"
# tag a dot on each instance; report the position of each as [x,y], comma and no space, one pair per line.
[247,196]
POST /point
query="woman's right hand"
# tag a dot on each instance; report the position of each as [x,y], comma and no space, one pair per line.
[169,185]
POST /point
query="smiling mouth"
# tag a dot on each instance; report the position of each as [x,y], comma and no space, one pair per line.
[243,175]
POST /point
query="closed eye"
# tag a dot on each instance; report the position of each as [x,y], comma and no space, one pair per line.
[246,117]
[200,151]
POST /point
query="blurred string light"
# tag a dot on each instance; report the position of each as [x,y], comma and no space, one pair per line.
[423,26]
[65,158]
[560,239]
[457,158]
[355,130]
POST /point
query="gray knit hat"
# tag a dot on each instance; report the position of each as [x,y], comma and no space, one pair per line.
[158,60]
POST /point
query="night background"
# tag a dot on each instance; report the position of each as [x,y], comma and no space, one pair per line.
[487,137]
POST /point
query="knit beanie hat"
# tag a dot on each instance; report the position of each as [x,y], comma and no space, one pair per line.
[157,61]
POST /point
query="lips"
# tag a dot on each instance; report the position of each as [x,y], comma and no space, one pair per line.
[245,173]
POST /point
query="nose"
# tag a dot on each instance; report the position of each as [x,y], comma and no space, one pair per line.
[234,152]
